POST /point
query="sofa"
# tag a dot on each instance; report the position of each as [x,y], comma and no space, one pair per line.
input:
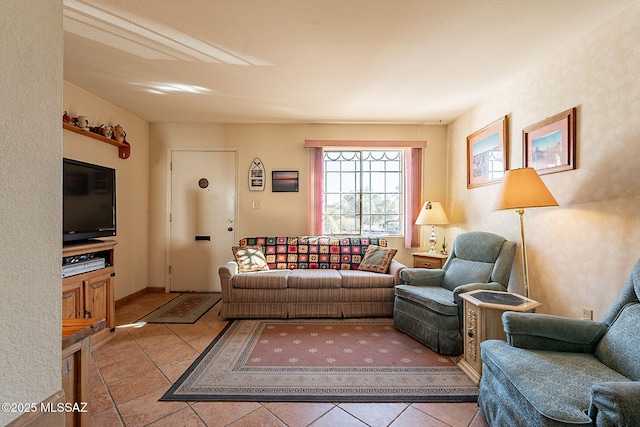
[310,277]
[555,371]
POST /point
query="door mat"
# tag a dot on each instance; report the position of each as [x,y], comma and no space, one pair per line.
[351,360]
[186,308]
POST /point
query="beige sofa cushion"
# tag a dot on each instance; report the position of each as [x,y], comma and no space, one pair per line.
[365,279]
[314,279]
[270,279]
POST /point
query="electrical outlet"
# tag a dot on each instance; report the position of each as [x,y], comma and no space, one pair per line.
[255,204]
[587,313]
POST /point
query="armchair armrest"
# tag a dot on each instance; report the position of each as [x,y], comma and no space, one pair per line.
[615,404]
[422,276]
[491,286]
[547,332]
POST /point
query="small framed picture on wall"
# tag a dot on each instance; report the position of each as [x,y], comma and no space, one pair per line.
[550,145]
[284,181]
[487,154]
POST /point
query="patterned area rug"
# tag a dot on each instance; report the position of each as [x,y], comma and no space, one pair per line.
[351,360]
[186,308]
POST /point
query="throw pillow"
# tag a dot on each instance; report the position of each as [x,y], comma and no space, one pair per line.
[250,258]
[377,259]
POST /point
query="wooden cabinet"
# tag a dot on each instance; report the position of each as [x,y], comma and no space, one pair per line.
[73,300]
[91,294]
[483,321]
[76,358]
[427,260]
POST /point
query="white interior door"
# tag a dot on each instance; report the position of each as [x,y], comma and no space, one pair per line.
[203,203]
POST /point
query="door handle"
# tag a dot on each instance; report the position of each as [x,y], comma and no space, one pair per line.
[207,238]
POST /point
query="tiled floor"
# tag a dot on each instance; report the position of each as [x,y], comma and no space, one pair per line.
[134,369]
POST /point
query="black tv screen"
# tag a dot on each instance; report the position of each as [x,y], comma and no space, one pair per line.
[88,201]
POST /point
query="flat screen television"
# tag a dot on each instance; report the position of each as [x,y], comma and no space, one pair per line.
[88,201]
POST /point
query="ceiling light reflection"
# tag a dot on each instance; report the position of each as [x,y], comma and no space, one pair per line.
[165,88]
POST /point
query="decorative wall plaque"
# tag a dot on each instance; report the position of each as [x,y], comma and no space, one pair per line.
[256,175]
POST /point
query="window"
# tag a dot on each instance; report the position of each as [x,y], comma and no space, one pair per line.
[396,216]
[363,192]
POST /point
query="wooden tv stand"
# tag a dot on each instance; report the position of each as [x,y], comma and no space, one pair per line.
[91,294]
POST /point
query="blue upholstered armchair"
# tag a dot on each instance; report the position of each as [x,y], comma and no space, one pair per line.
[556,371]
[427,304]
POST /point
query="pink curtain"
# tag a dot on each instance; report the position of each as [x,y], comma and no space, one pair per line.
[318,197]
[413,178]
[413,196]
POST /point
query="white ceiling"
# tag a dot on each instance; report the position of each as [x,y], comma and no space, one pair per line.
[314,61]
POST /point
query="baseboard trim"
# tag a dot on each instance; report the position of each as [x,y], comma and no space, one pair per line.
[149,290]
[41,419]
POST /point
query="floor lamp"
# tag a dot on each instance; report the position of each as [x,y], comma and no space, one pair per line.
[521,189]
[432,214]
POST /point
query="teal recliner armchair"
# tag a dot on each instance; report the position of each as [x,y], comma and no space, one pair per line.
[556,371]
[427,304]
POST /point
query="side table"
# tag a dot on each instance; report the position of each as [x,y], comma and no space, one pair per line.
[427,260]
[483,321]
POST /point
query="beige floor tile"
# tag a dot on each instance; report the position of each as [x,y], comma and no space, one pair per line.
[115,350]
[337,417]
[129,308]
[183,418]
[301,414]
[258,418]
[106,418]
[133,387]
[135,365]
[413,417]
[174,370]
[455,414]
[171,353]
[131,316]
[100,399]
[147,409]
[376,414]
[220,414]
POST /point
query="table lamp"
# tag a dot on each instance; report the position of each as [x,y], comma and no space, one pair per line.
[432,214]
[523,188]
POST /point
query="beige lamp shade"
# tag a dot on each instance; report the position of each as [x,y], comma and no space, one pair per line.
[523,188]
[432,214]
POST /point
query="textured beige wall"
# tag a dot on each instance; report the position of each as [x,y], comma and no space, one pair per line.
[30,207]
[132,177]
[280,147]
[581,252]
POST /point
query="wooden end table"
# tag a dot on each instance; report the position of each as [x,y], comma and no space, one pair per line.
[427,260]
[483,321]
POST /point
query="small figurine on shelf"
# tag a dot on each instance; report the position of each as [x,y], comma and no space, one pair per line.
[66,118]
[106,131]
[444,246]
[119,133]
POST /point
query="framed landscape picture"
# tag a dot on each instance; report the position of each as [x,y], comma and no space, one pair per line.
[284,181]
[550,145]
[487,154]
